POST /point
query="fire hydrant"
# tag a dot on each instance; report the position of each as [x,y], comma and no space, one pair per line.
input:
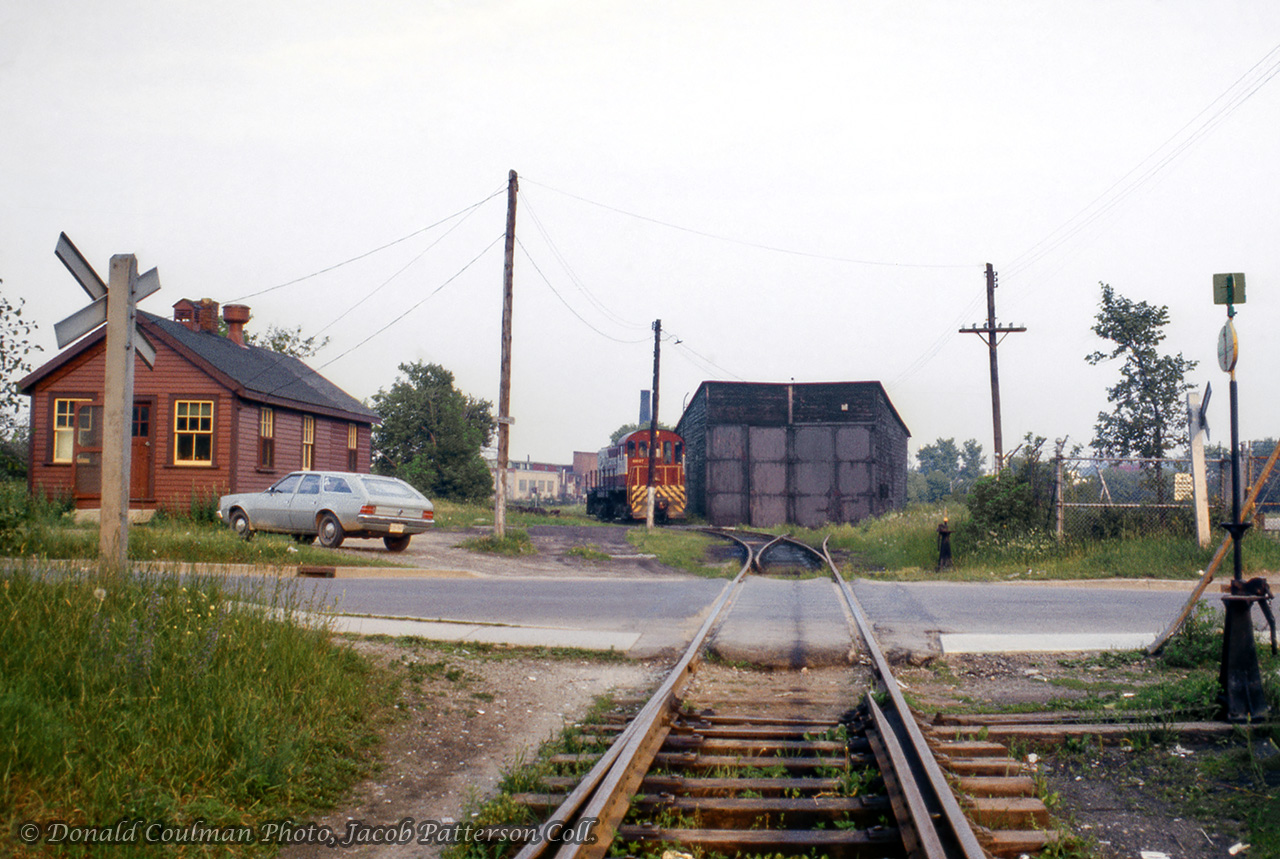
[944,545]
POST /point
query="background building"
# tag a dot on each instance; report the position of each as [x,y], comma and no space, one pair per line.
[215,415]
[806,454]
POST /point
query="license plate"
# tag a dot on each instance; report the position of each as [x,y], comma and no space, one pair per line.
[397,528]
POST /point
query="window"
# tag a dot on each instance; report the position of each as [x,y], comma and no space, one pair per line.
[308,442]
[310,485]
[266,437]
[286,484]
[64,427]
[353,448]
[336,484]
[193,432]
[389,487]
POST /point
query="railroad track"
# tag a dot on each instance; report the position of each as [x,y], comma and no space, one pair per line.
[788,769]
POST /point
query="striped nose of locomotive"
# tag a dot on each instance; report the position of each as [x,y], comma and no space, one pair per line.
[672,496]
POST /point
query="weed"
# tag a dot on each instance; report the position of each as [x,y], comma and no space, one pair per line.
[684,550]
[515,543]
[590,553]
[1198,642]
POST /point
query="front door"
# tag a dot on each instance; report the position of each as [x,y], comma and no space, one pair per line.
[140,457]
[87,454]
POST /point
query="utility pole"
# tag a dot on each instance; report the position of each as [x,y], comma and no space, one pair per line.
[991,330]
[504,389]
[653,422]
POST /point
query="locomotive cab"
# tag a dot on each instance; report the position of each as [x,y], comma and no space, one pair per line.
[622,478]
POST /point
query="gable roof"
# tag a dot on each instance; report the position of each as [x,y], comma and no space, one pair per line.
[253,372]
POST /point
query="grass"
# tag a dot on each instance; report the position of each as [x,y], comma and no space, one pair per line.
[591,553]
[456,516]
[173,698]
[684,550]
[33,527]
[499,652]
[904,545]
[514,544]
[527,774]
[1228,787]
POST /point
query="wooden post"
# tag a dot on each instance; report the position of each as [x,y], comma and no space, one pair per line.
[653,423]
[504,389]
[1199,484]
[113,529]
[989,332]
[1060,507]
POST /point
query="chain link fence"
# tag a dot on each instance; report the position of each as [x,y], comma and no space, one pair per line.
[1096,498]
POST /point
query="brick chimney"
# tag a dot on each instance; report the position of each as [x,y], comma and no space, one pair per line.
[236,315]
[207,315]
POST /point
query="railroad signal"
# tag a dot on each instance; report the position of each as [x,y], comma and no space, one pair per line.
[1239,678]
[92,315]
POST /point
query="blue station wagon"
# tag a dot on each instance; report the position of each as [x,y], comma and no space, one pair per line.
[331,505]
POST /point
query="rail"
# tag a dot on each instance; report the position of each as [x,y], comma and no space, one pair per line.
[931,823]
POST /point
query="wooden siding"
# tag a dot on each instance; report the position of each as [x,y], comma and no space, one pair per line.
[235,432]
[765,454]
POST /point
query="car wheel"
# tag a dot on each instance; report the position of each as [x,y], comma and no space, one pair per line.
[304,539]
[240,524]
[331,533]
[396,544]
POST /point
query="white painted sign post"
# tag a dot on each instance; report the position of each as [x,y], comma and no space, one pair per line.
[1197,430]
[116,305]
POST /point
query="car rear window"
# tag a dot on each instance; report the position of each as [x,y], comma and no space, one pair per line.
[389,488]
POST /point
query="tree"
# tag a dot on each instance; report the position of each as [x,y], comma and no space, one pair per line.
[15,347]
[432,434]
[1147,418]
[972,461]
[945,470]
[627,429]
[286,341]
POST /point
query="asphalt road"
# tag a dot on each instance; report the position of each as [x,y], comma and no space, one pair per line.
[917,617]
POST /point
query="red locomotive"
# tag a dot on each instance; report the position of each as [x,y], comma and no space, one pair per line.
[621,479]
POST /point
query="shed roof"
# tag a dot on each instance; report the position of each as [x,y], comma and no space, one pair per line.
[776,403]
[254,372]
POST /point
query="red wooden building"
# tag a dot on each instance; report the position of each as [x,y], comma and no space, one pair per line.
[214,416]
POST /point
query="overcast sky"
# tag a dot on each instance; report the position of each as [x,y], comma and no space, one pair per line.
[803,191]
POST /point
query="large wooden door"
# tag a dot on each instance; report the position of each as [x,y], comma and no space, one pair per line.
[87,453]
[141,457]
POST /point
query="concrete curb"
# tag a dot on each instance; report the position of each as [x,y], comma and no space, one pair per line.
[458,631]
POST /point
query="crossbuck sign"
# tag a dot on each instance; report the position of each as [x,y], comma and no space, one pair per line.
[116,306]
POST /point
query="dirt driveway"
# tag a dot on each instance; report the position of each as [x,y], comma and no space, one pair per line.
[438,552]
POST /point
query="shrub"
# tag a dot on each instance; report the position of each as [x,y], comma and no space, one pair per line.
[1016,501]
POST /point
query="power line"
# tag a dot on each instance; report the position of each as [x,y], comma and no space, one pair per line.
[702,362]
[557,294]
[327,269]
[1097,208]
[1234,97]
[399,272]
[573,277]
[432,294]
[745,243]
